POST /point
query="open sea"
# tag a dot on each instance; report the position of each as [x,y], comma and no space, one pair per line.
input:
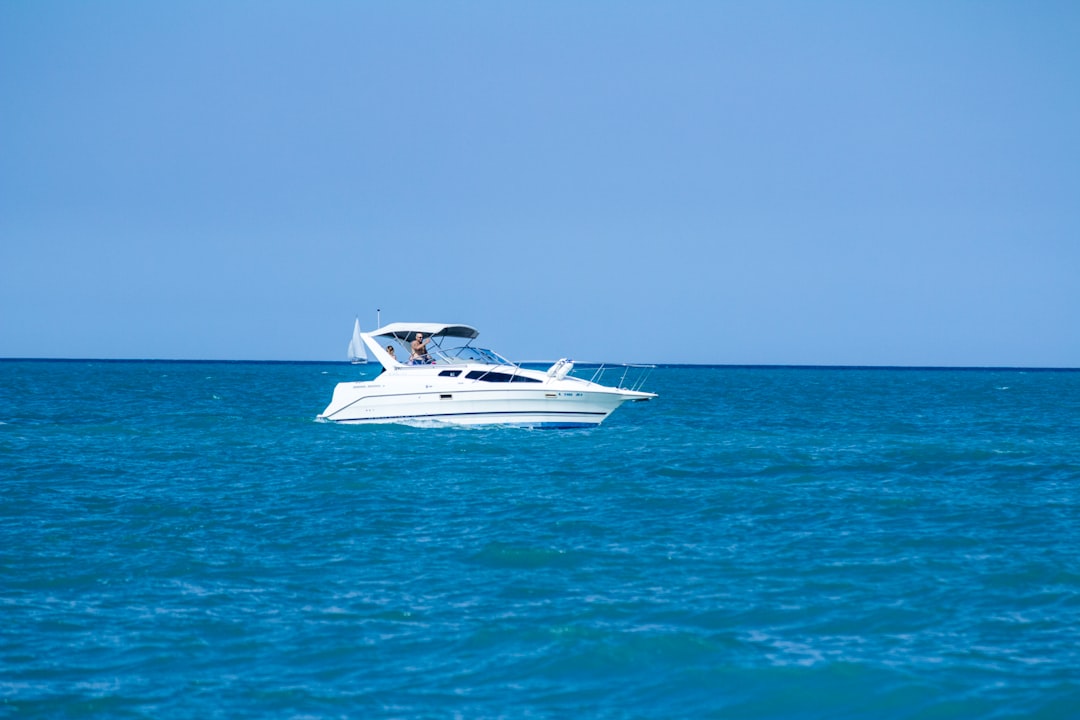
[185,540]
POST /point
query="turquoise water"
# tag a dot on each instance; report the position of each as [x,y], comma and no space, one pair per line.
[184,540]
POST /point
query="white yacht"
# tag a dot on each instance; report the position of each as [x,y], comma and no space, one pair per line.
[452,381]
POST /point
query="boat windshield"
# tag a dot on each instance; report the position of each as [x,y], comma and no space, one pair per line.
[468,354]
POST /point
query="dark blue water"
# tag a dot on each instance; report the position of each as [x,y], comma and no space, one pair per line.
[184,540]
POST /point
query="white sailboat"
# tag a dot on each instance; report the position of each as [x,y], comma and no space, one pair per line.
[357,354]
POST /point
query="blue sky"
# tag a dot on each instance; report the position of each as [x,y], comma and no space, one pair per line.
[713,182]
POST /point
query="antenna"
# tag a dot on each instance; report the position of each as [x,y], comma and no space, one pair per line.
[378,317]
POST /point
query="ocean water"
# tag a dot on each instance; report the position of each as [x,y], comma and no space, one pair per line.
[184,540]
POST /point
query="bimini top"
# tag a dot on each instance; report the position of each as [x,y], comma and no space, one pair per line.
[406,330]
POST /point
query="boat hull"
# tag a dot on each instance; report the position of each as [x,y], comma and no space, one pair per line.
[365,403]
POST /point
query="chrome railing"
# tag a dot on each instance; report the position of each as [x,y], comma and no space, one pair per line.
[631,376]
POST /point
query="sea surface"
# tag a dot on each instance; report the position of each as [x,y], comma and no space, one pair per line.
[185,540]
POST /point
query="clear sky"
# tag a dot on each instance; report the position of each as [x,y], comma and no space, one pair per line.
[882,183]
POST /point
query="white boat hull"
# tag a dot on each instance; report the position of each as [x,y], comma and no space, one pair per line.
[357,403]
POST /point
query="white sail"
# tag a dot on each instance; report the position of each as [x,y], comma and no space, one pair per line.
[357,354]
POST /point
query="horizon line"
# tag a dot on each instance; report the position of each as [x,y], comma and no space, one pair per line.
[777,366]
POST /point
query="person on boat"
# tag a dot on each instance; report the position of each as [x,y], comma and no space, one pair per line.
[419,350]
[390,351]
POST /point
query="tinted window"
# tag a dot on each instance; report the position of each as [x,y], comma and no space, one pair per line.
[498,377]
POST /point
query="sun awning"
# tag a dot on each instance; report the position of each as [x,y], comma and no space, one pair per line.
[406,330]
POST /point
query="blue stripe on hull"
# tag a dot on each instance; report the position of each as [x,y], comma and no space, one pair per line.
[553,423]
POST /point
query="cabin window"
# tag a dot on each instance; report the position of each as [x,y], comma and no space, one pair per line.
[449,373]
[498,377]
